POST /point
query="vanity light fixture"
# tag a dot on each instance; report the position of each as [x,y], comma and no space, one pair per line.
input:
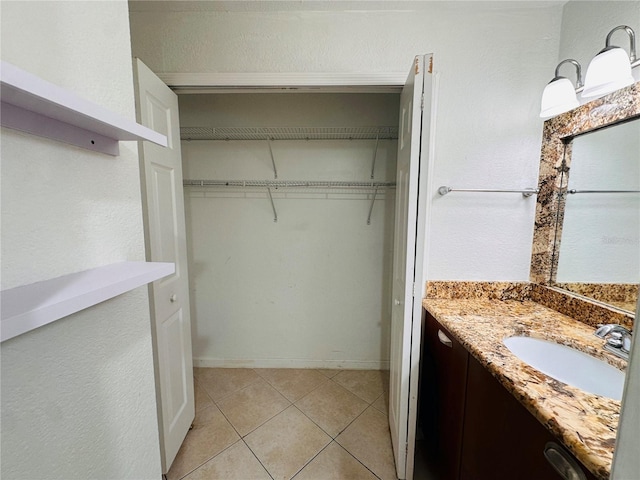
[559,96]
[611,68]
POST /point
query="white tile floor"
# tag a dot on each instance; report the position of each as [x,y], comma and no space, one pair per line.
[286,424]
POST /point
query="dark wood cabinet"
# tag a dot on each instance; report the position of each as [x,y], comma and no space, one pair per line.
[474,428]
[442,398]
[502,439]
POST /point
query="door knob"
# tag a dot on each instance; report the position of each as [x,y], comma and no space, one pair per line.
[173,298]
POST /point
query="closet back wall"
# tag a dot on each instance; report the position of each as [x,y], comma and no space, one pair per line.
[312,289]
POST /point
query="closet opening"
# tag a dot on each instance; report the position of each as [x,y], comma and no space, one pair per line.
[289,202]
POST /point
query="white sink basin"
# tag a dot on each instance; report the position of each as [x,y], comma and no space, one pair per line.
[568,365]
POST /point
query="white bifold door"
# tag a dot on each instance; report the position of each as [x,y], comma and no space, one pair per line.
[410,221]
[163,207]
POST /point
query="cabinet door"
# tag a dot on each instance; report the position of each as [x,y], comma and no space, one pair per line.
[502,440]
[442,402]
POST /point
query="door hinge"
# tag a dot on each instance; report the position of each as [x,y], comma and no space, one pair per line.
[422,103]
[413,290]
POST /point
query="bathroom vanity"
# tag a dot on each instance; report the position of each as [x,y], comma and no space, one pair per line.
[486,414]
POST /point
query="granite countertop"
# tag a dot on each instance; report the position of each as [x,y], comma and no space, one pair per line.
[586,423]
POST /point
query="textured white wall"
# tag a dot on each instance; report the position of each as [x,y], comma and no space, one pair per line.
[493,60]
[78,396]
[313,289]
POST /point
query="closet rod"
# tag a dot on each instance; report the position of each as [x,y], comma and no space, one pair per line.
[286,184]
[525,192]
[573,191]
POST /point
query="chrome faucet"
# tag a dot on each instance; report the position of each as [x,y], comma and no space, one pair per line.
[619,341]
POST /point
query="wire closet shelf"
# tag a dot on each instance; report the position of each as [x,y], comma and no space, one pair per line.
[269,184]
[288,133]
[288,184]
[270,134]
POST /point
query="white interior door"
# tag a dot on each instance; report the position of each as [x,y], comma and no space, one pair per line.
[407,275]
[163,206]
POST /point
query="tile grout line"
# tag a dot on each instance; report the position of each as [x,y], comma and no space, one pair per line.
[342,430]
[356,418]
[256,457]
[229,422]
[304,395]
[254,429]
[378,398]
[313,421]
[250,385]
[345,428]
[207,460]
[354,393]
[334,439]
[327,380]
[311,459]
[193,426]
[200,387]
[235,391]
[323,449]
[358,460]
[267,420]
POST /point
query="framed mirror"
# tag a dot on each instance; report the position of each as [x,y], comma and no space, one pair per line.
[587,231]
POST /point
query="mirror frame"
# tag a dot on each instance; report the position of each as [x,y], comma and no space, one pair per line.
[620,106]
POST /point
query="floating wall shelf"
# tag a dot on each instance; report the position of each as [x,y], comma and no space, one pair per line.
[33,105]
[28,307]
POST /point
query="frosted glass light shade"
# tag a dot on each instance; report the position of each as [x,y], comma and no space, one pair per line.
[558,97]
[609,71]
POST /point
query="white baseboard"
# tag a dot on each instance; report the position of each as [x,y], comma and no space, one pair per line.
[291,363]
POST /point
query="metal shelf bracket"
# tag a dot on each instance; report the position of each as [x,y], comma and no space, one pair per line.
[273,162]
[373,199]
[273,206]
[375,154]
